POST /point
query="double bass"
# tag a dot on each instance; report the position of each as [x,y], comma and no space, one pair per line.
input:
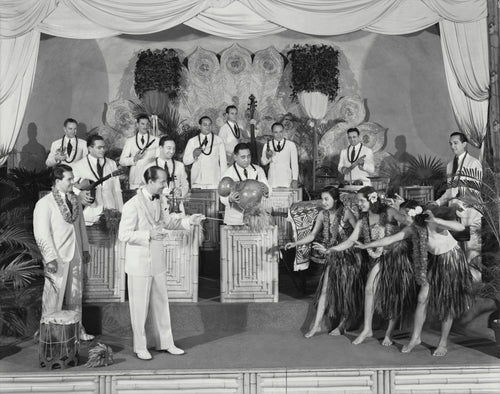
[252,105]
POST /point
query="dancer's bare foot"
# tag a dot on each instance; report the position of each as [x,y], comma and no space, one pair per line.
[361,337]
[337,331]
[440,351]
[408,348]
[313,331]
[387,341]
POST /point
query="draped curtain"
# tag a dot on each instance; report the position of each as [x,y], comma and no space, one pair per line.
[462,23]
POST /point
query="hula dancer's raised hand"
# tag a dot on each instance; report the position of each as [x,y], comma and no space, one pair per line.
[430,216]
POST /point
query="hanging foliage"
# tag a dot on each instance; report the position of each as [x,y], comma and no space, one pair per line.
[314,69]
[158,70]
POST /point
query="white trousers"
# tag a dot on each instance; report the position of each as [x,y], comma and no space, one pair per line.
[150,293]
[64,286]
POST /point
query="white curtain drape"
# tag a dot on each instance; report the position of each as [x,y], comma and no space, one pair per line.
[462,24]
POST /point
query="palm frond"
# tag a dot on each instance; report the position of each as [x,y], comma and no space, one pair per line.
[13,236]
[13,322]
[20,272]
[20,215]
[424,169]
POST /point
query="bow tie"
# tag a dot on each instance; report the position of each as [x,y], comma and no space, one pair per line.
[155,196]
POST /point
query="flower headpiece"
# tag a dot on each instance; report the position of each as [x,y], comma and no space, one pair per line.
[373,197]
[415,211]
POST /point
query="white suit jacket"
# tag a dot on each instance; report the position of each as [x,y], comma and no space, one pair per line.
[56,238]
[230,141]
[284,165]
[233,216]
[136,175]
[180,176]
[207,169]
[81,151]
[357,173]
[143,256]
[108,194]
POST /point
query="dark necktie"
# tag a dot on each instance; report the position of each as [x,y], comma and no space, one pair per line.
[168,173]
[237,129]
[245,172]
[205,141]
[69,148]
[155,197]
[100,170]
[142,140]
[455,165]
[68,202]
[353,151]
[279,146]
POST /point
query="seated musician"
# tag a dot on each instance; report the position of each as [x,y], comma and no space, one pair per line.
[356,161]
[240,170]
[93,167]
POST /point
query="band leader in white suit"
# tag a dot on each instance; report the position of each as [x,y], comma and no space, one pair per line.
[357,155]
[281,155]
[61,236]
[142,228]
[139,151]
[95,166]
[69,149]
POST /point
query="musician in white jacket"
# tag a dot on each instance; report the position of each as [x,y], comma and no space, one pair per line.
[139,151]
[230,132]
[142,228]
[281,155]
[61,236]
[356,161]
[93,167]
[69,149]
[207,155]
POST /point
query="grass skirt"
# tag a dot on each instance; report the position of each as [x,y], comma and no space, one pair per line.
[450,284]
[345,286]
[396,293]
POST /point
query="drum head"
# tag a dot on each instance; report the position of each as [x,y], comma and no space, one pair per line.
[61,317]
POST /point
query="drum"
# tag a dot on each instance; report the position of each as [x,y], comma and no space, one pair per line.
[59,339]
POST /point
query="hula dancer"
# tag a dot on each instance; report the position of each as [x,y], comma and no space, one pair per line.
[340,288]
[446,285]
[374,218]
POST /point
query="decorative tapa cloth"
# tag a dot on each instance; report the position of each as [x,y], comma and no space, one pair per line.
[302,215]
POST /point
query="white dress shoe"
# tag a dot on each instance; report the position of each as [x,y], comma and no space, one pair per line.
[175,351]
[144,355]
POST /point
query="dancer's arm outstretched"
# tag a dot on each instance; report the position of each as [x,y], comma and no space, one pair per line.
[349,242]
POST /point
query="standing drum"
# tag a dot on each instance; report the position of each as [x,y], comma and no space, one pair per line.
[59,339]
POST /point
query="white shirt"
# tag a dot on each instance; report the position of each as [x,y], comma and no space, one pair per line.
[440,242]
[209,165]
[78,151]
[284,165]
[226,133]
[233,216]
[357,173]
[180,177]
[131,147]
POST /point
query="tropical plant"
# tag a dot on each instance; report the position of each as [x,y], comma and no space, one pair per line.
[314,69]
[19,255]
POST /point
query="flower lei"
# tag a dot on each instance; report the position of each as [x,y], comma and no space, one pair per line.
[369,235]
[415,211]
[63,208]
[420,250]
[331,227]
[373,197]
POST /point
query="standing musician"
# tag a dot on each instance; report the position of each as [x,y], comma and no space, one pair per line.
[240,170]
[356,161]
[283,158]
[69,149]
[139,151]
[207,155]
[92,168]
[230,132]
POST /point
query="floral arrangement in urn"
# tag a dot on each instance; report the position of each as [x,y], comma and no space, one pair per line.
[314,69]
[159,70]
